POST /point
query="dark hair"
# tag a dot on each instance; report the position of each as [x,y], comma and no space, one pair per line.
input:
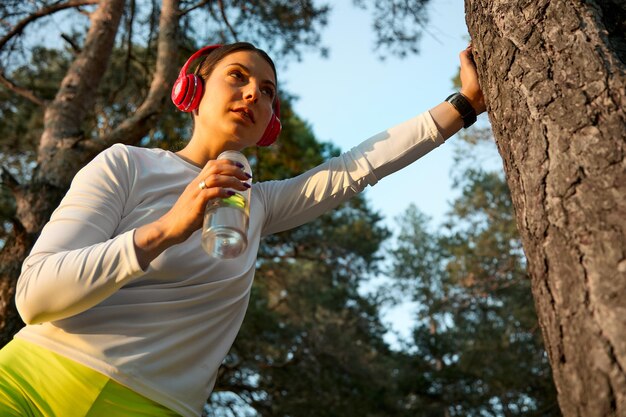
[208,62]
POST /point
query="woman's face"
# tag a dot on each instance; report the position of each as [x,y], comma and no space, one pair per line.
[237,101]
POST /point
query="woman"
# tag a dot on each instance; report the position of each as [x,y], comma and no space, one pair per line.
[121,303]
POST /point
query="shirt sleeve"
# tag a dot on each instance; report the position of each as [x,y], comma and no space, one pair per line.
[78,261]
[290,203]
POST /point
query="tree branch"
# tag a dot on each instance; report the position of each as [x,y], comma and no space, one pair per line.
[73,44]
[41,13]
[24,92]
[223,13]
[8,179]
[196,6]
[129,52]
[137,126]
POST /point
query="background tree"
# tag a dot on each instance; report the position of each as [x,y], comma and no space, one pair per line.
[554,80]
[476,347]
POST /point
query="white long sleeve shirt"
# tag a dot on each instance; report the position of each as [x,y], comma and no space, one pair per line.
[164,332]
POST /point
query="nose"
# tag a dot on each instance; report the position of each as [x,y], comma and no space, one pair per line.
[252,93]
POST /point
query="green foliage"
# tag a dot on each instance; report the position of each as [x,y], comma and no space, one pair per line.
[477,344]
[397,24]
[286,23]
[22,121]
[122,91]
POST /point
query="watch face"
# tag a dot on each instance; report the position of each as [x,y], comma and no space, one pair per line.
[465,109]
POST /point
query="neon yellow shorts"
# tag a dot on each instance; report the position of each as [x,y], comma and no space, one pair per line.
[39,383]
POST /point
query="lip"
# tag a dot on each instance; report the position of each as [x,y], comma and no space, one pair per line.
[245,112]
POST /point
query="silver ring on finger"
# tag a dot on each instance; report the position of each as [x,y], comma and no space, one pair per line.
[202,185]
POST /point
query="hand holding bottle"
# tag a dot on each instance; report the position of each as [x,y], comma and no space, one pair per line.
[217,179]
[225,229]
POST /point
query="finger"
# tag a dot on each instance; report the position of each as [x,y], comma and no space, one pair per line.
[223,181]
[236,172]
[466,56]
[224,167]
[222,162]
[211,193]
[471,51]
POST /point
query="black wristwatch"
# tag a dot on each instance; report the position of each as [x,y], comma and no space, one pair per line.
[463,106]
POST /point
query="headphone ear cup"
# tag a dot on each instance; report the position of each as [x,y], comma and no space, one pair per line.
[273,127]
[187,92]
[179,90]
[188,88]
[271,132]
[198,91]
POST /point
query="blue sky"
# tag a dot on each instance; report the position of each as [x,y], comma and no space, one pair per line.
[352,95]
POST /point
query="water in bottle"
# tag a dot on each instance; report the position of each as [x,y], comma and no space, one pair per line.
[225,228]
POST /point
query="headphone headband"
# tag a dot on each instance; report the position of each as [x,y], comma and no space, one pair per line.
[203,51]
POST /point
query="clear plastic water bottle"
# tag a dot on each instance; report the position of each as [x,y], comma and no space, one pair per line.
[225,228]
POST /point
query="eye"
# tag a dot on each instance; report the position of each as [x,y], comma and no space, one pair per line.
[236,74]
[268,91]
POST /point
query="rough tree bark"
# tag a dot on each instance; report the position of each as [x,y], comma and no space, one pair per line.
[553,73]
[64,149]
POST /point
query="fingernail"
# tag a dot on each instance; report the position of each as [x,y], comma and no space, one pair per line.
[239,164]
[245,184]
[230,192]
[248,175]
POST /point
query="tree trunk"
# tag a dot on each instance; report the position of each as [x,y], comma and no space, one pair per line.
[64,147]
[553,74]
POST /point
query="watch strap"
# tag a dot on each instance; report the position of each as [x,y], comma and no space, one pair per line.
[463,106]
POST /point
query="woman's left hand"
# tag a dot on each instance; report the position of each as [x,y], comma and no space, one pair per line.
[470,87]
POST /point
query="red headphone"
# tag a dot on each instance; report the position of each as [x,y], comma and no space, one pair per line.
[188,89]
